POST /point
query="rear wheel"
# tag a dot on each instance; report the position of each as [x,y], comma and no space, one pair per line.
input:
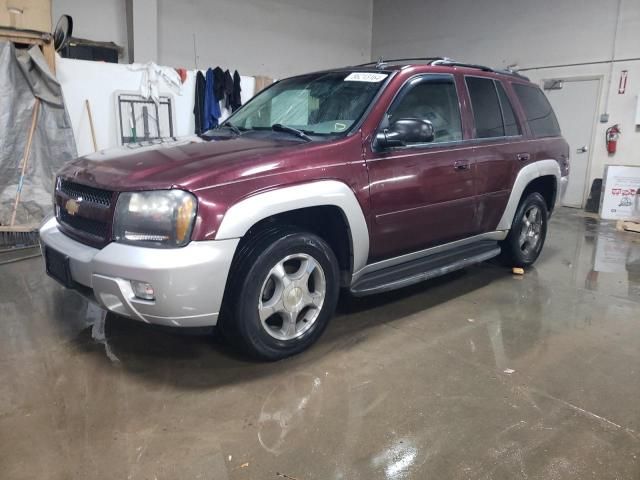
[283,293]
[528,232]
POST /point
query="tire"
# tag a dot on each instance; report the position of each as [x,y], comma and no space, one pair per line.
[283,291]
[528,232]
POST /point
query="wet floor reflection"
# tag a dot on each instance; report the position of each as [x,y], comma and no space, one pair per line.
[480,374]
[616,255]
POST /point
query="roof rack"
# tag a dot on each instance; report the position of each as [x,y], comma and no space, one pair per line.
[514,73]
[447,62]
[443,62]
[381,62]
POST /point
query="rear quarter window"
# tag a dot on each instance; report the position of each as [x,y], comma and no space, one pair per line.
[540,116]
[511,127]
[486,107]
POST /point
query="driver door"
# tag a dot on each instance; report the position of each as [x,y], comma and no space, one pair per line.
[422,194]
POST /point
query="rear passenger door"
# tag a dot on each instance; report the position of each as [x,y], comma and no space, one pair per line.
[422,194]
[500,148]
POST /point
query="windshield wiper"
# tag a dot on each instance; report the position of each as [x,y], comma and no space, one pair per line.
[231,127]
[278,127]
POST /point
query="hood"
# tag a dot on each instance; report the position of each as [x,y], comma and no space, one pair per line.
[188,163]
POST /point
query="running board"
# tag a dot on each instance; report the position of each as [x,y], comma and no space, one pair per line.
[422,269]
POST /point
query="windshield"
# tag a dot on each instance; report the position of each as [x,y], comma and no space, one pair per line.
[316,104]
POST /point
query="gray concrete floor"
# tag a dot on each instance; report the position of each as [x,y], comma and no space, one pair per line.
[477,375]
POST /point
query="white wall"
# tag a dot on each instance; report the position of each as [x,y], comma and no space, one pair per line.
[539,33]
[144,21]
[505,32]
[97,82]
[276,38]
[100,20]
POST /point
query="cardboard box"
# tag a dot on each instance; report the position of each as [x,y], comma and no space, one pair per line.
[621,193]
[26,14]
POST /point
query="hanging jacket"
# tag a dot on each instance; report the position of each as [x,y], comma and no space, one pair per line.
[218,78]
[211,105]
[198,105]
[228,89]
[236,100]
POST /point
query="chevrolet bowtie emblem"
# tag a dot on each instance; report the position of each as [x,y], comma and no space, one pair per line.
[72,206]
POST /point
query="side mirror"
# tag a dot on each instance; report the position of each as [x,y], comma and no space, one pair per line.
[406,130]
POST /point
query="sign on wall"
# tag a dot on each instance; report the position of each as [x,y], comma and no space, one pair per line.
[621,196]
[622,85]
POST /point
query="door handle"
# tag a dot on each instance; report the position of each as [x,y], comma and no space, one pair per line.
[523,157]
[461,165]
[583,149]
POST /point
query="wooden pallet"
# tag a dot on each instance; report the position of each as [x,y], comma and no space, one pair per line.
[32,37]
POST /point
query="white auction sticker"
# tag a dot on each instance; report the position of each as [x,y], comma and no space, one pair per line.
[366,77]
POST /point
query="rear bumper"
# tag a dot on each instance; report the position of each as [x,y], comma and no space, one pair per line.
[189,282]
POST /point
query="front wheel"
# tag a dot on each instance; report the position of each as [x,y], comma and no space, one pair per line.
[284,292]
[528,232]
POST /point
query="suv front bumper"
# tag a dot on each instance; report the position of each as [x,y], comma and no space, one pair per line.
[189,282]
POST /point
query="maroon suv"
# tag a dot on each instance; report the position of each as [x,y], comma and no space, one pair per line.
[369,178]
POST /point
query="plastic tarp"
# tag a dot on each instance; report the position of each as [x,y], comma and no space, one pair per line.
[25,76]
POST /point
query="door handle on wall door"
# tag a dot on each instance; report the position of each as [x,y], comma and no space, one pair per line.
[523,157]
[461,165]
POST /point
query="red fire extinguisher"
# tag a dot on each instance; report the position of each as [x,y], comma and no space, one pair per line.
[613,134]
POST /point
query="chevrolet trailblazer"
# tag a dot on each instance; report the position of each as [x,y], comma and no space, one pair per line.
[367,178]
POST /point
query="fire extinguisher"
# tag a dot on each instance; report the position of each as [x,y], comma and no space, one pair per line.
[612,136]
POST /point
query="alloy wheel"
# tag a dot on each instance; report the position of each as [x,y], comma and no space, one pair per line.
[292,296]
[531,230]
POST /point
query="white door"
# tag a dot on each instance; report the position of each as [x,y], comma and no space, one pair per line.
[576,105]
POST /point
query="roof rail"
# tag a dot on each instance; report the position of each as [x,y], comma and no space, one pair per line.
[514,73]
[452,63]
[447,62]
[443,62]
[381,62]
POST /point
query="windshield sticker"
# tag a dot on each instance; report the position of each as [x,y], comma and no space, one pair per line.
[366,77]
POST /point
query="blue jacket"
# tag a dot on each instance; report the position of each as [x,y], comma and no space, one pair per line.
[211,105]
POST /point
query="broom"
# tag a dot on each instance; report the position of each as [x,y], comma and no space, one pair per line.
[19,235]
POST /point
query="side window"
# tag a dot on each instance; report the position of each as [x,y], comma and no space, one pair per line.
[486,107]
[540,116]
[511,127]
[433,98]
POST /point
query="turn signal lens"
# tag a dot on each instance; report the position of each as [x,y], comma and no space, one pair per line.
[184,218]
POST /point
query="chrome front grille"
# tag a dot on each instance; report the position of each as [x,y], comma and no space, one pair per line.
[85,213]
[94,228]
[86,194]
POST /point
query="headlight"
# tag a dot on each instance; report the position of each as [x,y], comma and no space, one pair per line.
[162,218]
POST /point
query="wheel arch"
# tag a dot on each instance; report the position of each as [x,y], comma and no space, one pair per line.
[545,185]
[542,176]
[321,207]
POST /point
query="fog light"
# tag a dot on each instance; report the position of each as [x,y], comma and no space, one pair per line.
[143,290]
